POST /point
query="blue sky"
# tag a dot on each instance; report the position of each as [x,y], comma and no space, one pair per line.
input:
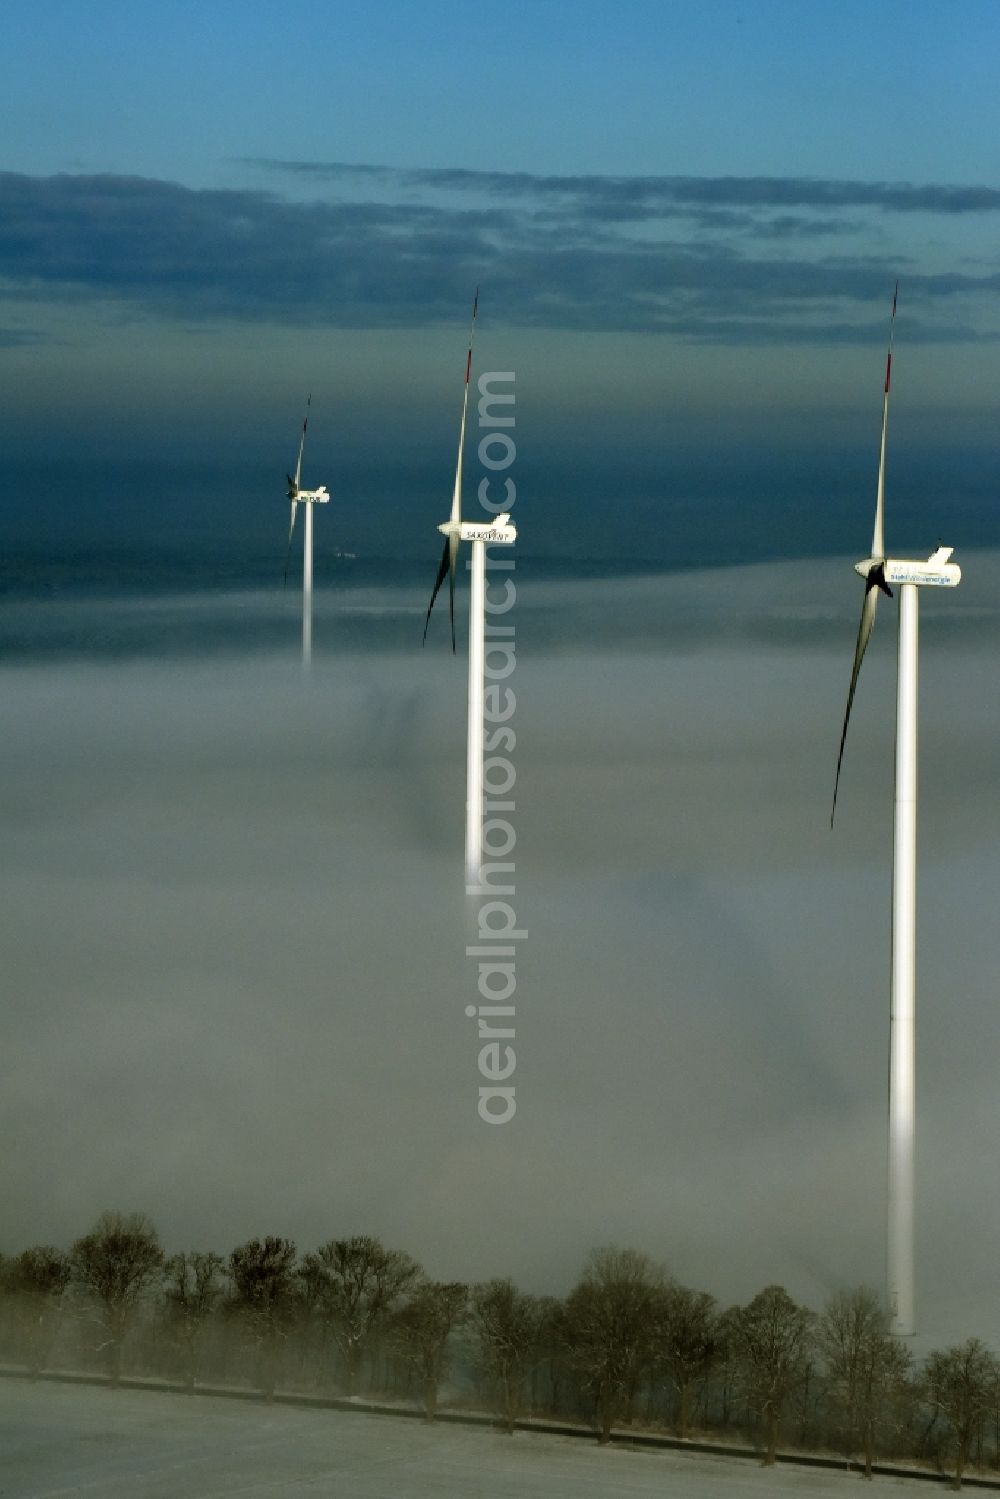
[902,91]
[686,218]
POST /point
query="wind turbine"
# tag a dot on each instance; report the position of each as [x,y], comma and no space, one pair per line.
[879,571]
[308,498]
[455,530]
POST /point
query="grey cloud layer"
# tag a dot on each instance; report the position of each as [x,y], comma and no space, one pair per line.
[723,261]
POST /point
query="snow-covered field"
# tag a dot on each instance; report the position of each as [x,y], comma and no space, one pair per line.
[58,1440]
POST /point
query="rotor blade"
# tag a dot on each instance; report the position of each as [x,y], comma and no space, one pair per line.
[441,574]
[288,554]
[864,635]
[878,540]
[456,498]
[302,441]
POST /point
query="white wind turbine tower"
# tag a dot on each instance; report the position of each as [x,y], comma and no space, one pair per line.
[879,571]
[455,530]
[308,498]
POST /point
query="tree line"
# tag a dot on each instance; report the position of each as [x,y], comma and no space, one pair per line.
[629,1345]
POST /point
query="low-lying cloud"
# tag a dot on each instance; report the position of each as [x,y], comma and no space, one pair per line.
[232,912]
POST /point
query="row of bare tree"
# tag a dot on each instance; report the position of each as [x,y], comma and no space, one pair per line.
[628,1343]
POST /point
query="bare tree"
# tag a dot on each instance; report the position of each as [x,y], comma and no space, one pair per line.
[264,1286]
[551,1360]
[192,1288]
[420,1330]
[609,1325]
[312,1325]
[867,1370]
[772,1338]
[507,1324]
[688,1344]
[360,1282]
[37,1279]
[724,1382]
[113,1264]
[961,1384]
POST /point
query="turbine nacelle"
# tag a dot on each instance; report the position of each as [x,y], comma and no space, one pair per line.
[318,496]
[499,532]
[936,572]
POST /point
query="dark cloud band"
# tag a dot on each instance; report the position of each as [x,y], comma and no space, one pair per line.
[642,193]
[725,261]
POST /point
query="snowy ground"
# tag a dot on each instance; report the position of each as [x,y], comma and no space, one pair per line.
[59,1440]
